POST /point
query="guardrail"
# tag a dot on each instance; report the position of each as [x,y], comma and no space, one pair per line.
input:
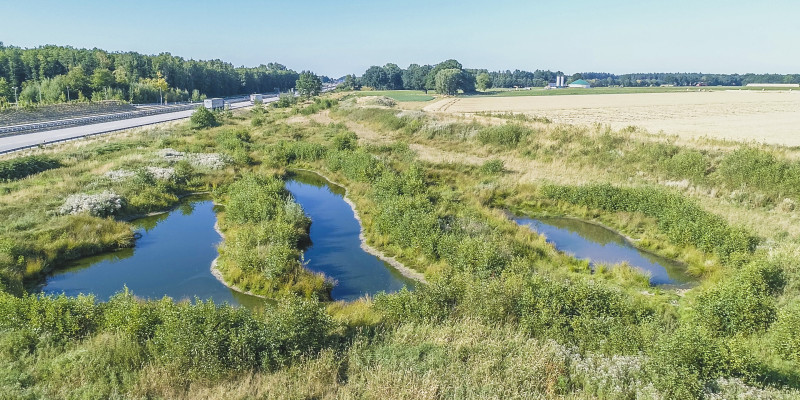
[69,139]
[35,127]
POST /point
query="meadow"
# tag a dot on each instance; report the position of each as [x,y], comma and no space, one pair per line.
[503,314]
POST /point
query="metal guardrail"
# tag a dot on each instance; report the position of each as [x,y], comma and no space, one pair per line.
[69,139]
[35,127]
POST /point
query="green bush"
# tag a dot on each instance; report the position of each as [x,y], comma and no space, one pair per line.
[743,304]
[203,118]
[492,167]
[754,168]
[18,168]
[785,332]
[255,199]
[503,135]
[345,141]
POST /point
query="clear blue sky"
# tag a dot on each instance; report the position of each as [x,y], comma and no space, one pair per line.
[339,37]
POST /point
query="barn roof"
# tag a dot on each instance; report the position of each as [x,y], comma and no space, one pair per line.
[579,82]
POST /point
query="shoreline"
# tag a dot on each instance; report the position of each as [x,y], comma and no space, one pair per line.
[402,269]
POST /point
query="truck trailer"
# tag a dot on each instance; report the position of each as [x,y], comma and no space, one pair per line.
[216,103]
[256,98]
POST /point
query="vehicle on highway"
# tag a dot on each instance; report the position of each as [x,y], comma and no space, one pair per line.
[215,103]
[256,98]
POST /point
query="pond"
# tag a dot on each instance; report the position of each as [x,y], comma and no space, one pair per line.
[172,258]
[600,245]
[336,246]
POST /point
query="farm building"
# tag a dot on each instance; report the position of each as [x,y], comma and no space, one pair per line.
[580,83]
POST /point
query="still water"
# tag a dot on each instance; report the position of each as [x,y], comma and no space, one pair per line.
[599,245]
[171,258]
[336,247]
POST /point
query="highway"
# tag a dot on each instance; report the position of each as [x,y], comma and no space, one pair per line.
[19,142]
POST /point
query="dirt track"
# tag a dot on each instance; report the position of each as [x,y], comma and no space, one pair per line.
[769,117]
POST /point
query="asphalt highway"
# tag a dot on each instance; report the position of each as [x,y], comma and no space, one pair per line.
[23,141]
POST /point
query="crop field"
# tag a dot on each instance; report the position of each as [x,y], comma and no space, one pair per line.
[767,117]
[506,92]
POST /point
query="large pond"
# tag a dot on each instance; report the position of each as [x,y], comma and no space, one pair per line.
[336,247]
[599,245]
[172,258]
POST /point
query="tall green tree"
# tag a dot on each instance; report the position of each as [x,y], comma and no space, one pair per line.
[430,82]
[102,78]
[375,77]
[447,81]
[6,94]
[483,81]
[308,84]
[77,80]
[415,76]
[394,76]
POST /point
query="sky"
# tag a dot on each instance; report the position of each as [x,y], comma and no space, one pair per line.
[335,38]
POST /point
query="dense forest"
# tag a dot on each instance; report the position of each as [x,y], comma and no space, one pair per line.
[52,74]
[422,77]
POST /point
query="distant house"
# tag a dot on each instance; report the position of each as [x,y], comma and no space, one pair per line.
[580,83]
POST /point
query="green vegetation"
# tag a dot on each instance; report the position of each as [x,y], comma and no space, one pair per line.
[423,77]
[53,74]
[397,95]
[17,168]
[203,118]
[308,84]
[265,230]
[502,315]
[682,221]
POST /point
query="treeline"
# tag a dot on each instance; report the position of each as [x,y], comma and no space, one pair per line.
[52,74]
[447,77]
[423,77]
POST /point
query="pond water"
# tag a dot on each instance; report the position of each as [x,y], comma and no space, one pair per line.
[599,245]
[172,258]
[336,247]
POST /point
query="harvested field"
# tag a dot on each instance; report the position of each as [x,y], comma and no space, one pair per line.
[768,117]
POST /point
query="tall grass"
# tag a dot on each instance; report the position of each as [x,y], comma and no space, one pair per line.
[684,222]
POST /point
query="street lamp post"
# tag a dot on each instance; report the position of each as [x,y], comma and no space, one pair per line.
[160,97]
[16,101]
[67,94]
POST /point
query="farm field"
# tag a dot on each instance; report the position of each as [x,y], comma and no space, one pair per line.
[751,116]
[506,92]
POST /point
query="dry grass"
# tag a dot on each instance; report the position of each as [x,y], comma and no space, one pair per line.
[765,117]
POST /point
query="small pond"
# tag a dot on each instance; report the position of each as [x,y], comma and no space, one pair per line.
[336,247]
[600,245]
[172,258]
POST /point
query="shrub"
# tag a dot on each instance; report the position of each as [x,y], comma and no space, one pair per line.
[751,167]
[345,141]
[285,100]
[18,168]
[503,135]
[254,199]
[203,118]
[492,167]
[743,304]
[786,332]
[100,205]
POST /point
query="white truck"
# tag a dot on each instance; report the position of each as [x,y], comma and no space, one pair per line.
[216,103]
[256,98]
